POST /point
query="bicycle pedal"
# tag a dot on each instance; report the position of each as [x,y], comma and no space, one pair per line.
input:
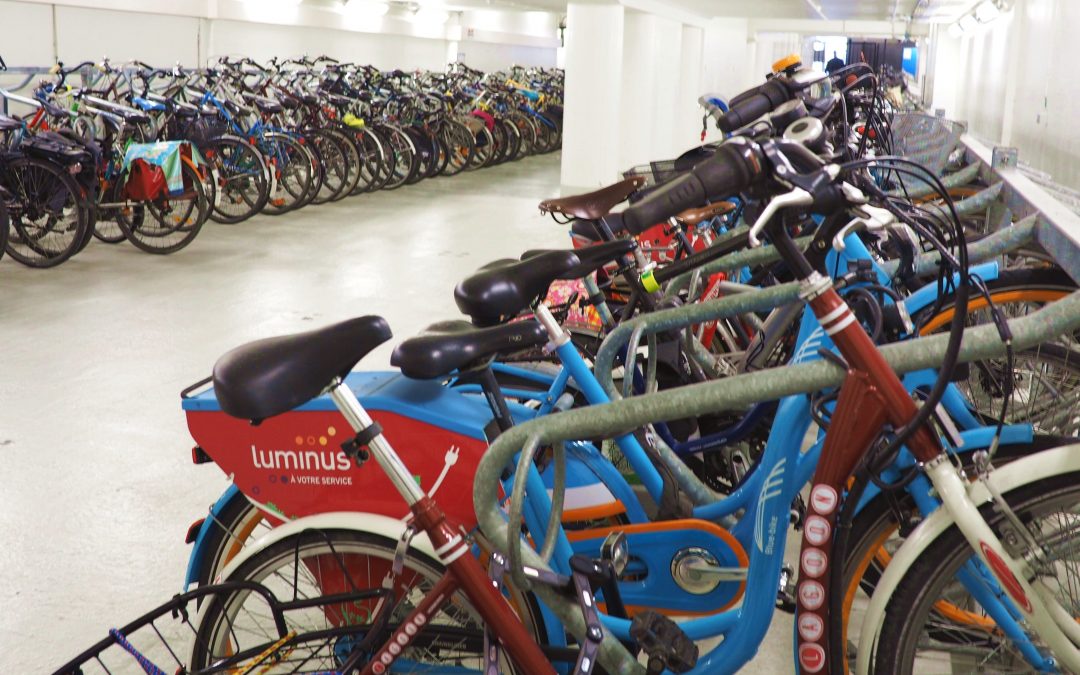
[665,644]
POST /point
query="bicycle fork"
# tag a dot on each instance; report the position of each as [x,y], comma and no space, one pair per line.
[872,378]
[463,571]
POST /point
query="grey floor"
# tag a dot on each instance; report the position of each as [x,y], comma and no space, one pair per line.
[97,487]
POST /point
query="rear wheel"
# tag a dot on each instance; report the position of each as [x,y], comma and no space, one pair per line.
[459,144]
[291,172]
[48,216]
[404,161]
[170,223]
[241,177]
[318,563]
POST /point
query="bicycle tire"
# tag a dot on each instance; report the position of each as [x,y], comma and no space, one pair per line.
[372,151]
[160,222]
[1051,369]
[43,190]
[405,161]
[351,158]
[460,145]
[318,171]
[5,223]
[483,149]
[241,179]
[325,561]
[922,588]
[291,168]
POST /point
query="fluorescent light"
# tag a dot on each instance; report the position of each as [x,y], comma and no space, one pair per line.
[968,23]
[987,12]
[366,8]
[956,30]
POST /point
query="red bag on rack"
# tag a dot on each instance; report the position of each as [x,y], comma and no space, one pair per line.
[145,182]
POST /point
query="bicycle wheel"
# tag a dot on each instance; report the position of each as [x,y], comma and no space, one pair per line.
[1045,386]
[459,144]
[483,149]
[404,162]
[291,169]
[5,223]
[372,152]
[48,216]
[917,636]
[317,563]
[318,172]
[170,223]
[243,186]
[350,162]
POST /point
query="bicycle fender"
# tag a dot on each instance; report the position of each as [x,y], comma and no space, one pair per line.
[1064,459]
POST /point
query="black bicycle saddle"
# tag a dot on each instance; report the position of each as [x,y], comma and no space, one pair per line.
[498,293]
[447,346]
[268,377]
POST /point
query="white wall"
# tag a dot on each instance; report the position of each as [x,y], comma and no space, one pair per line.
[1010,82]
[188,31]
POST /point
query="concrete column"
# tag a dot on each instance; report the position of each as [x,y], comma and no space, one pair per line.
[687,128]
[593,95]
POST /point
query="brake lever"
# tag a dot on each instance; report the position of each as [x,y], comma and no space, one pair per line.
[797,197]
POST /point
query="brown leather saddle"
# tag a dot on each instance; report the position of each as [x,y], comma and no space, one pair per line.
[692,217]
[593,205]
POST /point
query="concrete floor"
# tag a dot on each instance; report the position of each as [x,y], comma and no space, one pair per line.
[98,486]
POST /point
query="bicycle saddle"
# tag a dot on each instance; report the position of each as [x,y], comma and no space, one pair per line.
[263,104]
[691,217]
[268,377]
[447,346]
[592,257]
[499,292]
[593,205]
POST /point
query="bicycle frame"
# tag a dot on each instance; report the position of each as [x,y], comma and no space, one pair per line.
[463,571]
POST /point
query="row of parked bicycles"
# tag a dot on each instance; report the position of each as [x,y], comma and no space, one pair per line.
[794,329]
[149,155]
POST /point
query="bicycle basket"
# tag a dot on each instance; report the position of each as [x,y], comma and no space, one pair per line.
[199,128]
[660,172]
[926,139]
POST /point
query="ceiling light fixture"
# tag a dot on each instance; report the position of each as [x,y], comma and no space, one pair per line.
[273,3]
[817,8]
[968,23]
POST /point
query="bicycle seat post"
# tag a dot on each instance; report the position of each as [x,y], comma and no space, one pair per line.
[383,452]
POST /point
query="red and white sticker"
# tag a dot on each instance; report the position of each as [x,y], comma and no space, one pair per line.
[817,530]
[814,562]
[811,595]
[811,657]
[811,626]
[824,499]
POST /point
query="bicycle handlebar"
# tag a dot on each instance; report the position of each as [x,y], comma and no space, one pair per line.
[752,104]
[734,167]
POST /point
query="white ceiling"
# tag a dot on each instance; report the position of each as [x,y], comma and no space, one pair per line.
[881,10]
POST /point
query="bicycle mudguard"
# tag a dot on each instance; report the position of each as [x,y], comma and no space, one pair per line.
[294,465]
[1024,471]
[373,523]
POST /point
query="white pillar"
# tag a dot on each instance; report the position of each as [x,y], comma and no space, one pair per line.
[593,102]
[687,128]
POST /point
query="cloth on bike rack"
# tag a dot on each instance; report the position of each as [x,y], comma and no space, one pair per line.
[167,156]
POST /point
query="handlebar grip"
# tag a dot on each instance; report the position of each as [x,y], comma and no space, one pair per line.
[732,169]
[752,104]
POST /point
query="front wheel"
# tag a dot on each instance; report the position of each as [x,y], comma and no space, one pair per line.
[348,564]
[932,623]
